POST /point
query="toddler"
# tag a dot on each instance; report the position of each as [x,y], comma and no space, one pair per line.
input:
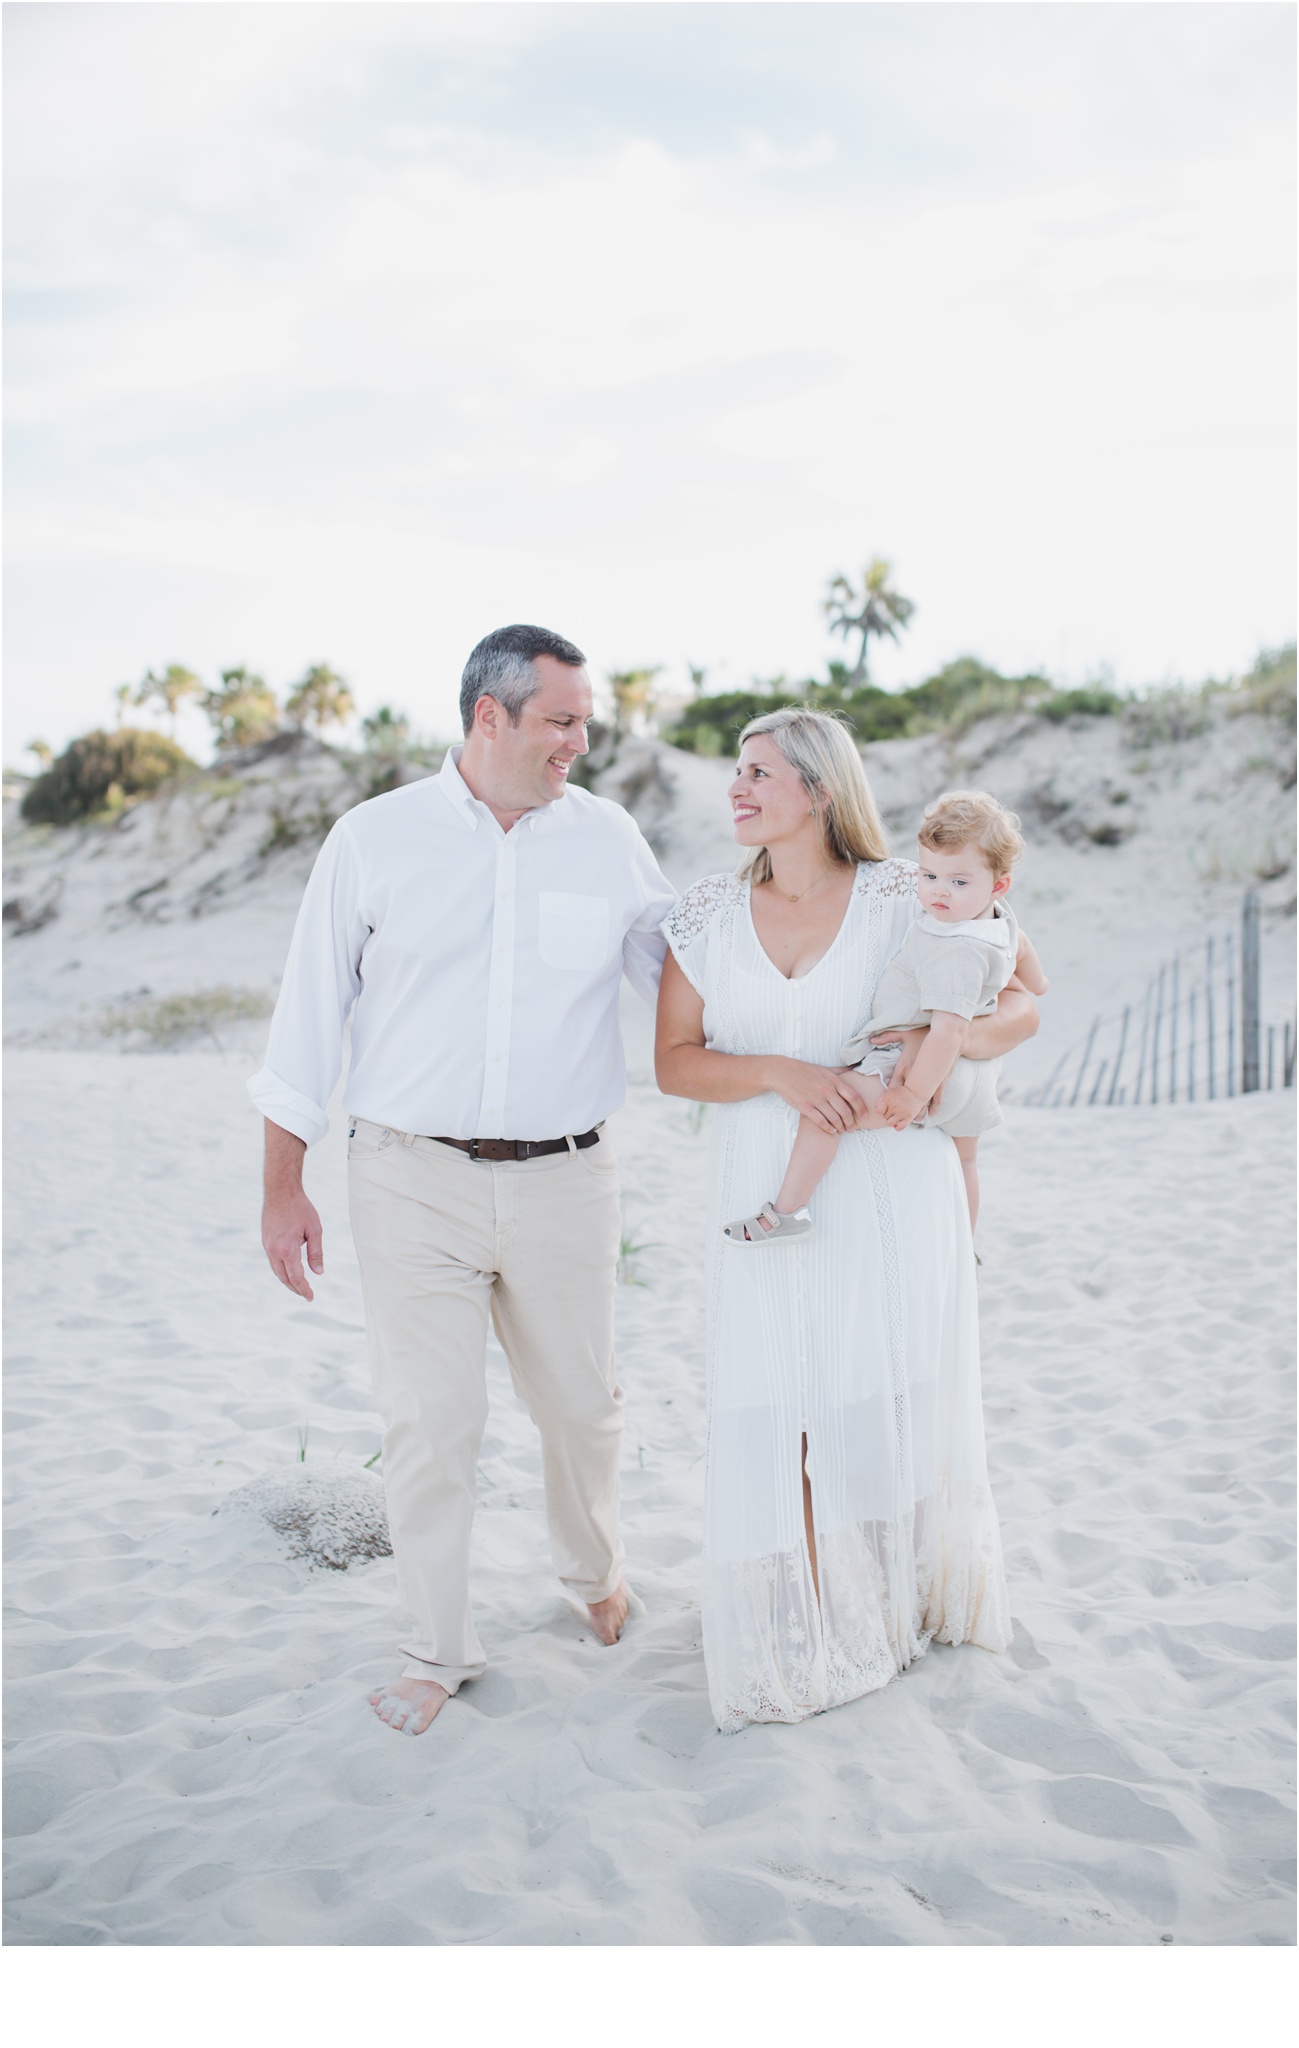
[953,964]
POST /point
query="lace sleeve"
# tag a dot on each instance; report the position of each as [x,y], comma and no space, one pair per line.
[687,925]
[889,887]
[885,878]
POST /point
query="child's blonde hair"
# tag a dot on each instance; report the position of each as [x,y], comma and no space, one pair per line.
[970,817]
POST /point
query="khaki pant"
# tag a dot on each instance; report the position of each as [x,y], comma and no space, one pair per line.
[443,1241]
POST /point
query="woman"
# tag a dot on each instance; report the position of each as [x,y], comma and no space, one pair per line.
[848,1517]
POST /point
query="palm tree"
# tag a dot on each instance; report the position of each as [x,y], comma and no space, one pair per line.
[875,608]
[122,696]
[633,697]
[385,731]
[42,750]
[322,698]
[170,689]
[243,710]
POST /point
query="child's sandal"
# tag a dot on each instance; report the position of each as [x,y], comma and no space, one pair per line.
[767,1227]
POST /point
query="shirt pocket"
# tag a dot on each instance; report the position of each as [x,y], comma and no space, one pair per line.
[572,931]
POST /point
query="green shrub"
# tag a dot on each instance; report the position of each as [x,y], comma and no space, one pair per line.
[102,772]
[966,690]
[712,725]
[869,712]
[950,700]
[1062,704]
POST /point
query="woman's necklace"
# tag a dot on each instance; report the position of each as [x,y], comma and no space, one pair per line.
[802,892]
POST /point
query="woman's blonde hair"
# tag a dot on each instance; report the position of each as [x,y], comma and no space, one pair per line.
[825,755]
[970,817]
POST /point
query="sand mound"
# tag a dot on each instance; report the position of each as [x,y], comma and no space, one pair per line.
[332,1519]
[170,927]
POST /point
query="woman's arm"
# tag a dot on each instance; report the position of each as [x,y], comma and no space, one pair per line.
[987,1038]
[684,1065]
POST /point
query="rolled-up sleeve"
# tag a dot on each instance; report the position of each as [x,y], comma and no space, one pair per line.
[322,979]
[644,946]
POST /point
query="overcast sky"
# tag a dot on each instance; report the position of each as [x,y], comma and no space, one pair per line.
[349,332]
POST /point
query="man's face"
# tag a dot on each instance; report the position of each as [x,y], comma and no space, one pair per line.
[530,761]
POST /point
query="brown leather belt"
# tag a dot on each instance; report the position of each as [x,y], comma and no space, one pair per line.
[518,1148]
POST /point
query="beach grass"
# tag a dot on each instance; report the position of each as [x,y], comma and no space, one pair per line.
[170,1021]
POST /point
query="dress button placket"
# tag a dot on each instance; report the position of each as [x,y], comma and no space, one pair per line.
[800,1291]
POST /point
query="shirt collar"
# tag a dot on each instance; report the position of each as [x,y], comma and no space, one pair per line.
[472,809]
[456,790]
[994,930]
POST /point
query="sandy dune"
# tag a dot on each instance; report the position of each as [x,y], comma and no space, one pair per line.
[191,1757]
[1137,846]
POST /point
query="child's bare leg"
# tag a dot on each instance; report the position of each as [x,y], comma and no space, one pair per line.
[814,1150]
[967,1151]
[868,1089]
[809,1162]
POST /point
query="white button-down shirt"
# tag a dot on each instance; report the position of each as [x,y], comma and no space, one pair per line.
[484,966]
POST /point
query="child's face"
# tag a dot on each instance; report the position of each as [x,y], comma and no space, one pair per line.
[957,884]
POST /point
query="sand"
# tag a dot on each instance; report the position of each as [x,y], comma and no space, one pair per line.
[191,1759]
[191,1756]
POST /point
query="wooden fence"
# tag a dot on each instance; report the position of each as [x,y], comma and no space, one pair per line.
[1196,1035]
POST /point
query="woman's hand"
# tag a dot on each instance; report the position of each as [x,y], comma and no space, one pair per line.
[684,1065]
[815,1092]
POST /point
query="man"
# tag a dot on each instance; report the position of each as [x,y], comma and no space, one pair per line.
[480,921]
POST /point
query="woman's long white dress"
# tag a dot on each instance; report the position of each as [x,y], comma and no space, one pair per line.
[862,1337]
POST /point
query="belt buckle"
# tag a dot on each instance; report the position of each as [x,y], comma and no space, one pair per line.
[473,1148]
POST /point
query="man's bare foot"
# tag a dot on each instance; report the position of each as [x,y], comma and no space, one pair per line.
[608,1616]
[409,1704]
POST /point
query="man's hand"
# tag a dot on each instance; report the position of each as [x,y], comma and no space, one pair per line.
[899,1106]
[289,1220]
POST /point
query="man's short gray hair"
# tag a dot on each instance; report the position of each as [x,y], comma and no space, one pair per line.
[501,667]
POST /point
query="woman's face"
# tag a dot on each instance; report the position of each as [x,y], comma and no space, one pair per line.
[768,800]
